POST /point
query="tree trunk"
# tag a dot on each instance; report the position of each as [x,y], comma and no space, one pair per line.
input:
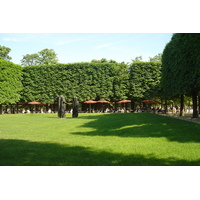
[17,108]
[1,109]
[132,105]
[83,107]
[182,106]
[199,103]
[47,107]
[194,102]
[115,107]
[11,109]
[166,108]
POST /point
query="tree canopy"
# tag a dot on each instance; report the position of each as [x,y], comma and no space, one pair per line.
[137,59]
[181,67]
[45,56]
[4,51]
[156,58]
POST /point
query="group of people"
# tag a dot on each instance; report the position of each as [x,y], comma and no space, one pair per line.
[104,109]
[27,111]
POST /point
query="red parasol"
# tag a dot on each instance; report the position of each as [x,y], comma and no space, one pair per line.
[124,101]
[34,103]
[150,101]
[103,101]
[90,101]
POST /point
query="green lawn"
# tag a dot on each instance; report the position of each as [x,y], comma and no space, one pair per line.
[126,139]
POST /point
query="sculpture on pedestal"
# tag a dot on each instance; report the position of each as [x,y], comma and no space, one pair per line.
[75,107]
[61,106]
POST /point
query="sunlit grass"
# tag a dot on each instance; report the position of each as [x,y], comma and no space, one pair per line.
[98,139]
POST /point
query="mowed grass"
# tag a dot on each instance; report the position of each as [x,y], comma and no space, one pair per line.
[123,139]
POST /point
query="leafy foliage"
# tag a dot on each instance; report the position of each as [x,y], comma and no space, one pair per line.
[30,59]
[181,67]
[144,79]
[10,82]
[137,59]
[108,81]
[45,56]
[157,58]
[83,80]
[120,84]
[181,64]
[4,51]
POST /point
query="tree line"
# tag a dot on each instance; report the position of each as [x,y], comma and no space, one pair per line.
[97,81]
[48,56]
[42,78]
[181,69]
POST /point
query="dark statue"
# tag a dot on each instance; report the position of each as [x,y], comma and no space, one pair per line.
[75,107]
[61,106]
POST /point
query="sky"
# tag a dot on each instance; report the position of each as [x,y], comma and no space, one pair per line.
[84,47]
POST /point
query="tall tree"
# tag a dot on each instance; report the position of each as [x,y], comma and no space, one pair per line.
[137,59]
[4,51]
[181,67]
[45,56]
[30,59]
[157,58]
[103,60]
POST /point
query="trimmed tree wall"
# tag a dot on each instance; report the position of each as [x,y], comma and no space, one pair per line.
[10,83]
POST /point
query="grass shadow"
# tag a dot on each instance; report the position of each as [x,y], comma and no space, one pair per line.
[142,125]
[25,153]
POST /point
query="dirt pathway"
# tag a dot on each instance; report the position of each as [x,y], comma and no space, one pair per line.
[187,117]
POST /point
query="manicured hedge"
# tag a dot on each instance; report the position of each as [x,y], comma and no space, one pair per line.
[108,81]
[84,80]
[10,82]
[144,79]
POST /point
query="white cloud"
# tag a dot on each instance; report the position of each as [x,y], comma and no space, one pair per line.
[61,43]
[22,37]
[10,39]
[103,46]
[68,41]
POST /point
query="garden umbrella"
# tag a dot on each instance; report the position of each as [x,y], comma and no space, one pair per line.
[90,102]
[124,101]
[103,101]
[150,101]
[34,103]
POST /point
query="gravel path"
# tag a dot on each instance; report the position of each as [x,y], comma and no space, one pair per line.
[187,117]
